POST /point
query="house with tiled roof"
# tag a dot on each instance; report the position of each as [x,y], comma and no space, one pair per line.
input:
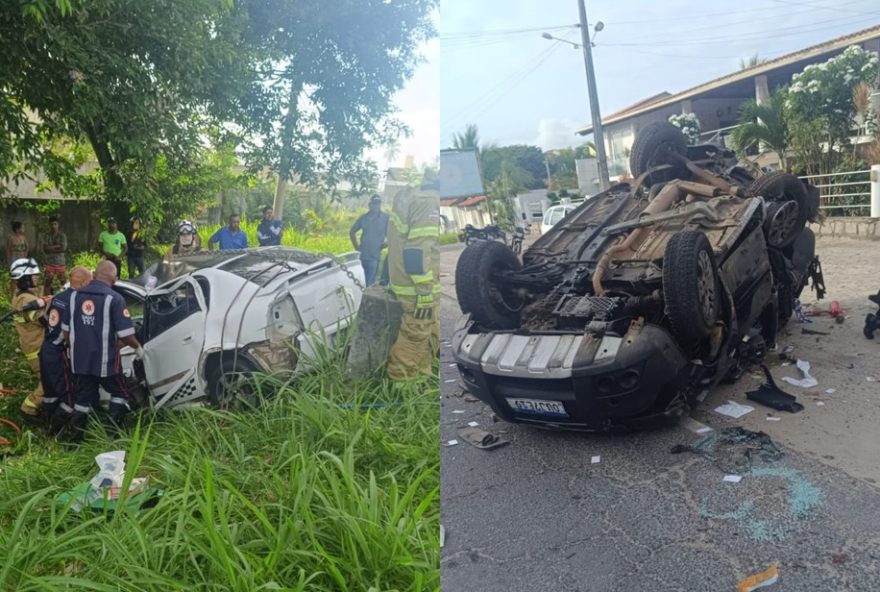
[716,103]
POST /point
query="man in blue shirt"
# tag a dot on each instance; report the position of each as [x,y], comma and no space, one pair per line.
[229,237]
[94,321]
[373,226]
[269,230]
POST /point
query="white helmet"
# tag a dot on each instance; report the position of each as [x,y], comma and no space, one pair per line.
[24,266]
[186,227]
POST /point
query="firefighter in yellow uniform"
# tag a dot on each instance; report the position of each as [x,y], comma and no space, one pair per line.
[28,320]
[414,277]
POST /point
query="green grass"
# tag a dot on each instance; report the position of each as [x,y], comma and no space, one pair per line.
[308,492]
[448,238]
[330,238]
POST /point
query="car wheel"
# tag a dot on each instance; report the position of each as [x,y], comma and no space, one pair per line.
[476,289]
[655,145]
[787,207]
[231,387]
[690,286]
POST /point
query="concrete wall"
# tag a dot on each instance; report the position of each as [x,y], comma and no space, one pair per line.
[77,222]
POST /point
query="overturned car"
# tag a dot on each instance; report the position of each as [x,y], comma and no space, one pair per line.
[641,299]
[207,320]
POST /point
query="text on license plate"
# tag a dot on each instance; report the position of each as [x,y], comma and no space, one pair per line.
[537,407]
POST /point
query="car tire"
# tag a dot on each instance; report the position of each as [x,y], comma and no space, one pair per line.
[787,207]
[474,285]
[690,286]
[232,373]
[654,146]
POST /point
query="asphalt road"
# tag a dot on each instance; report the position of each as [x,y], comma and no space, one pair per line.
[538,514]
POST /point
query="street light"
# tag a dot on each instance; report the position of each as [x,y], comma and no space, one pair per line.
[586,44]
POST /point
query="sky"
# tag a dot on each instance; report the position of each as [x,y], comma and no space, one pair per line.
[418,106]
[499,73]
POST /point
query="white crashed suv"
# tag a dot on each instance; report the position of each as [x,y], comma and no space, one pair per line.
[205,318]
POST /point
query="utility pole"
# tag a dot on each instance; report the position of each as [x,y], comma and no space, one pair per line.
[549,178]
[598,136]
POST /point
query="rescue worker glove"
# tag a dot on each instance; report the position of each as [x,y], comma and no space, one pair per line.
[139,353]
[424,307]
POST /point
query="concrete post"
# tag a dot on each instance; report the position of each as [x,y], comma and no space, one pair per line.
[875,190]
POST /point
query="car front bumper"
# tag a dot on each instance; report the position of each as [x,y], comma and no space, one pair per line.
[599,381]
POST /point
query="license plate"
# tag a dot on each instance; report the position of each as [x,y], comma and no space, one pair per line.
[537,407]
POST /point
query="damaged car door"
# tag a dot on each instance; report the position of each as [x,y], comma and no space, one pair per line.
[174,335]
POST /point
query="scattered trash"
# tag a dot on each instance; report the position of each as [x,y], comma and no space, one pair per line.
[595,460]
[760,580]
[453,365]
[772,396]
[103,492]
[731,450]
[452,442]
[732,478]
[734,409]
[799,312]
[806,331]
[442,536]
[786,352]
[773,418]
[870,379]
[473,424]
[807,381]
[481,438]
[830,391]
[820,403]
[458,410]
[695,426]
[449,381]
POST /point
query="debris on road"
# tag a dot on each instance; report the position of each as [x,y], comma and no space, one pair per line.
[452,442]
[807,381]
[442,536]
[770,395]
[760,580]
[806,331]
[732,478]
[104,491]
[731,450]
[596,460]
[458,410]
[820,403]
[773,418]
[473,424]
[830,391]
[481,438]
[734,409]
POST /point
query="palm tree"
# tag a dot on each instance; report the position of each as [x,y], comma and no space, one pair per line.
[752,61]
[764,125]
[467,140]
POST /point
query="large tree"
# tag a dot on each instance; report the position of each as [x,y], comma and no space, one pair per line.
[528,158]
[329,72]
[764,125]
[469,139]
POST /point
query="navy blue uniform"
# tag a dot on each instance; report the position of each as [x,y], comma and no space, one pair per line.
[54,366]
[96,318]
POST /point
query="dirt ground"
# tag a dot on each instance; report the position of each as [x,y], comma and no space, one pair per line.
[844,432]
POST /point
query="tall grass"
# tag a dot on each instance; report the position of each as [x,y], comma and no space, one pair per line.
[331,238]
[320,488]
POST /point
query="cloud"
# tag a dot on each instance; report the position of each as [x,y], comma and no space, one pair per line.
[556,133]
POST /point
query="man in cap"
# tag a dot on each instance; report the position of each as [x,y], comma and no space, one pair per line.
[373,227]
[54,363]
[94,321]
[112,244]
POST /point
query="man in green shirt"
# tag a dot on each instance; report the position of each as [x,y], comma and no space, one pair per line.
[112,244]
[54,247]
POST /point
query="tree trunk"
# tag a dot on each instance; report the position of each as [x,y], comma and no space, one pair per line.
[114,186]
[285,163]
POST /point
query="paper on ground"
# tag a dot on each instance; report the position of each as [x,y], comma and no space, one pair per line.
[458,410]
[820,403]
[595,460]
[732,478]
[734,409]
[452,443]
[830,391]
[473,424]
[449,381]
[442,536]
[759,580]
[771,418]
[807,381]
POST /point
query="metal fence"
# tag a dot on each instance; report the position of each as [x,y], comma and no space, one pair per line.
[843,194]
